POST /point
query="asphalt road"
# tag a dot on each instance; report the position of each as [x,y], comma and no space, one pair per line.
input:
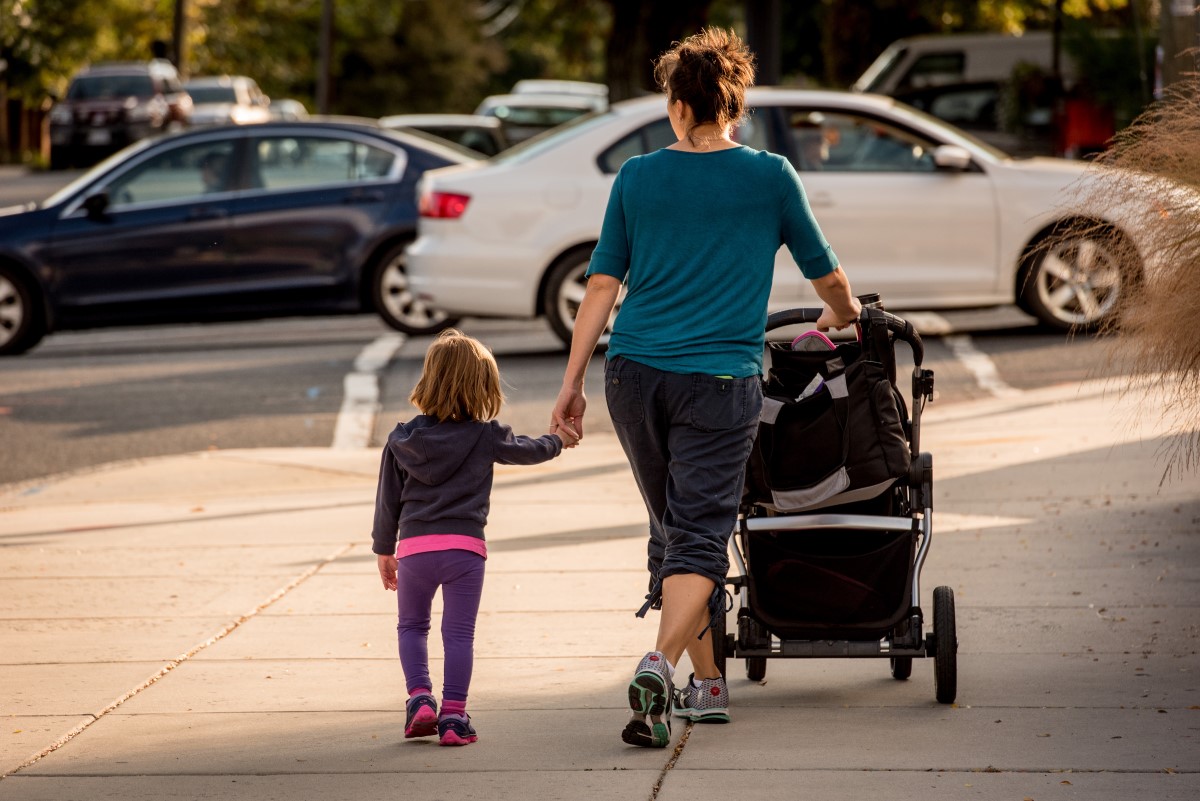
[84,399]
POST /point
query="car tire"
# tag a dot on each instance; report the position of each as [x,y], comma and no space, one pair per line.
[22,323]
[565,287]
[1078,277]
[395,302]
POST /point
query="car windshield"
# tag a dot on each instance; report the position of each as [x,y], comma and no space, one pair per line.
[542,116]
[99,87]
[880,68]
[212,94]
[552,138]
[90,177]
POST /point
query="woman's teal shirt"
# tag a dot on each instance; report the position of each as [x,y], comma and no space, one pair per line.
[694,237]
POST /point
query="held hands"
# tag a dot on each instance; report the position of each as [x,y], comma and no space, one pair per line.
[387,570]
[567,418]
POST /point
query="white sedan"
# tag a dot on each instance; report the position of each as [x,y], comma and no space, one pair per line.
[915,209]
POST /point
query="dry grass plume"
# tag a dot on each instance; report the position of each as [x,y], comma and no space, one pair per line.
[1152,173]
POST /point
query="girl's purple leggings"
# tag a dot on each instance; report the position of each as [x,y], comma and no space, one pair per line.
[460,575]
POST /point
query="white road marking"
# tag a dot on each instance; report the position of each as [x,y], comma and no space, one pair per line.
[360,402]
[928,324]
[980,366]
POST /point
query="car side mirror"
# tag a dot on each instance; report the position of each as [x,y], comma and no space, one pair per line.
[952,158]
[96,205]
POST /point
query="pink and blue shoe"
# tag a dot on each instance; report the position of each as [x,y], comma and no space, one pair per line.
[455,729]
[421,716]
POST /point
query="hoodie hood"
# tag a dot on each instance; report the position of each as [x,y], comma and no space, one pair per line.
[432,452]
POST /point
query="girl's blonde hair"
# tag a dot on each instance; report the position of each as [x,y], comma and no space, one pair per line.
[460,380]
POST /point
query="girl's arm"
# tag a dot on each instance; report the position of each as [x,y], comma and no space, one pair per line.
[387,505]
[510,448]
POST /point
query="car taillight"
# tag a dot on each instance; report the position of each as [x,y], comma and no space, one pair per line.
[444,205]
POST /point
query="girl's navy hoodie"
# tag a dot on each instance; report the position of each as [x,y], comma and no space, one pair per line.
[436,477]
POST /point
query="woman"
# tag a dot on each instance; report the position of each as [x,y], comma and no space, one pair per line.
[692,230]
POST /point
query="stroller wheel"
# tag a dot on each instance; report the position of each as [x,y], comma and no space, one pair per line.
[901,667]
[756,668]
[945,657]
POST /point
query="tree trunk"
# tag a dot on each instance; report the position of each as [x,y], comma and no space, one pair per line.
[641,32]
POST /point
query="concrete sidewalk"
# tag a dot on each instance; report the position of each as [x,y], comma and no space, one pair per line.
[212,626]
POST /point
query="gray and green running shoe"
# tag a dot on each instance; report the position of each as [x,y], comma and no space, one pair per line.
[650,697]
[708,703]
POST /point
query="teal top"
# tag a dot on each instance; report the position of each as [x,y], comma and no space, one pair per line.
[694,237]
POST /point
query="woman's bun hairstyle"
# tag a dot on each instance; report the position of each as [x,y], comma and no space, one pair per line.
[709,71]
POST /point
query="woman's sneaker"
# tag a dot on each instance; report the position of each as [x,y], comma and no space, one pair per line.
[708,703]
[421,717]
[650,698]
[455,729]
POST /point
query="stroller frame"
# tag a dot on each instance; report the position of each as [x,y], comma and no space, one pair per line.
[904,638]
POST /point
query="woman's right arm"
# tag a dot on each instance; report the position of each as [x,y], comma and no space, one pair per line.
[841,307]
[594,313]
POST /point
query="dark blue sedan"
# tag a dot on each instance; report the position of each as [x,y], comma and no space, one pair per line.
[231,223]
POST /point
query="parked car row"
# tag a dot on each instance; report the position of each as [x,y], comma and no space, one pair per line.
[328,216]
[108,106]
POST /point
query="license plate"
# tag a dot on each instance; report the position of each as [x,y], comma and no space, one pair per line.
[99,137]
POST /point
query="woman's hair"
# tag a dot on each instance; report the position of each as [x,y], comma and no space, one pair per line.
[709,71]
[460,380]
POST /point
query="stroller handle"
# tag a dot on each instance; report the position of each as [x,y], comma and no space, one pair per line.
[902,328]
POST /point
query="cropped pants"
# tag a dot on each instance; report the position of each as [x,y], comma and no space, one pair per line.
[687,438]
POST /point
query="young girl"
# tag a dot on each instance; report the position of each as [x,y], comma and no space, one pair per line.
[430,511]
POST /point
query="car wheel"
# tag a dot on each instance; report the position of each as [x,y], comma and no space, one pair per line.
[564,292]
[396,303]
[1077,280]
[21,325]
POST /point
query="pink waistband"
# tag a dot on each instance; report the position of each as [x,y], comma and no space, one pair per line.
[440,542]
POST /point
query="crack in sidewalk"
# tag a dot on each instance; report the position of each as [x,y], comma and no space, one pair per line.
[179,660]
[687,731]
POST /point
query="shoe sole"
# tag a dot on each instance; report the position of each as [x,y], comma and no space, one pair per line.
[648,697]
[424,724]
[451,738]
[707,716]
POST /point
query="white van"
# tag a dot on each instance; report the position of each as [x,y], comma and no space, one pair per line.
[922,62]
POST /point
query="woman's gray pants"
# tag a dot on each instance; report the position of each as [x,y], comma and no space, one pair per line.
[688,438]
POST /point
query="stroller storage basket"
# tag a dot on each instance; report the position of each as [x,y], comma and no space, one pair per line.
[841,442]
[842,584]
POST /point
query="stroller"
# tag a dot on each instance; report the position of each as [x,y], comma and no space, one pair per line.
[836,513]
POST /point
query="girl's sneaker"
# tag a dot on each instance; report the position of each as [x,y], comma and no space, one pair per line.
[455,729]
[650,697]
[708,703]
[421,717]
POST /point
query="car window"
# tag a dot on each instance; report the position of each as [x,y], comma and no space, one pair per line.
[302,162]
[967,107]
[838,142]
[646,139]
[843,142]
[180,173]
[933,69]
[752,130]
[212,94]
[99,87]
